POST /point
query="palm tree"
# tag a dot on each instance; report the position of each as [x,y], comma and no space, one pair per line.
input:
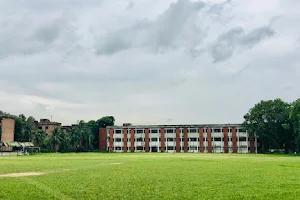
[82,136]
[65,141]
[28,132]
[56,139]
[39,137]
[74,136]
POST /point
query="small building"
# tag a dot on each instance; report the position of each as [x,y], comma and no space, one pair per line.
[66,128]
[47,126]
[7,125]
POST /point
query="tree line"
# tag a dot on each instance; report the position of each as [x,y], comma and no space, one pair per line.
[276,123]
[84,137]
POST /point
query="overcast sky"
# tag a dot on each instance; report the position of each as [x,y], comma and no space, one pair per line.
[147,61]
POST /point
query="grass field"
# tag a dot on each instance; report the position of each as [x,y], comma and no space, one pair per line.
[151,176]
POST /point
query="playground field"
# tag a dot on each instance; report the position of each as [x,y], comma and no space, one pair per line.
[149,176]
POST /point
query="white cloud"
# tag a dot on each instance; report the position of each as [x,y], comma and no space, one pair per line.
[147,61]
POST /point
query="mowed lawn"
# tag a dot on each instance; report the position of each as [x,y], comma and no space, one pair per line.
[151,176]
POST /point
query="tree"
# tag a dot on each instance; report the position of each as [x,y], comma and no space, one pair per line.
[22,116]
[269,120]
[106,121]
[65,142]
[39,137]
[85,134]
[56,139]
[74,138]
[19,127]
[94,128]
[28,132]
[295,122]
[24,128]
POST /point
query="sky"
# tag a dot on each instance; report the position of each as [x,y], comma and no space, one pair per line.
[147,61]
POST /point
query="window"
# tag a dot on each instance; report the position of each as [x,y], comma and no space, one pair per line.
[118,140]
[170,148]
[40,127]
[170,139]
[170,131]
[153,139]
[154,131]
[217,130]
[118,148]
[193,148]
[46,127]
[193,139]
[242,139]
[139,139]
[217,139]
[139,131]
[140,148]
[242,130]
[118,131]
[193,130]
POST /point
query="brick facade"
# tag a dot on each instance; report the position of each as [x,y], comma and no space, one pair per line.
[218,138]
[125,139]
[102,139]
[8,129]
[201,137]
[225,131]
[177,131]
[234,140]
[209,140]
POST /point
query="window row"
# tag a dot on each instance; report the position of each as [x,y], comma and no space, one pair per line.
[217,139]
[143,148]
[194,130]
[40,127]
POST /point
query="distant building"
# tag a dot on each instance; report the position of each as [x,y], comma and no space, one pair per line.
[7,125]
[66,128]
[47,126]
[205,138]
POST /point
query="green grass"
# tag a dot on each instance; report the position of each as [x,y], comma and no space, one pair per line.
[151,176]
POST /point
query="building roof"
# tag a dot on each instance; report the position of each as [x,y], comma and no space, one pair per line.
[48,122]
[177,126]
[8,116]
[17,144]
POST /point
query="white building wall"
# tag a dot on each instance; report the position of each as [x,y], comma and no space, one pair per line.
[243,143]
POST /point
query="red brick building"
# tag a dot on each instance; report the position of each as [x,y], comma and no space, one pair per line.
[8,129]
[205,138]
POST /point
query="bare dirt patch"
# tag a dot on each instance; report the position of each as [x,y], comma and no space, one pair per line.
[23,174]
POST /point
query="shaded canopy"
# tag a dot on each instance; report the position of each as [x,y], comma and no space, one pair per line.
[17,144]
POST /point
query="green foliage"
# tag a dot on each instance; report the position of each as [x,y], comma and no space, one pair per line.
[106,121]
[270,121]
[295,121]
[56,139]
[39,137]
[84,137]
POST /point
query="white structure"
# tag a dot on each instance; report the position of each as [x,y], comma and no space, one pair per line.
[206,138]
